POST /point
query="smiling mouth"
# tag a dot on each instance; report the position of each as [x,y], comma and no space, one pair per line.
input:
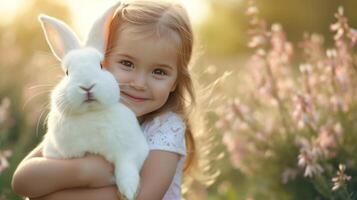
[136,99]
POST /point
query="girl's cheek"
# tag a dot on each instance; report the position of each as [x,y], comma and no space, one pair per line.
[119,74]
[124,77]
[163,85]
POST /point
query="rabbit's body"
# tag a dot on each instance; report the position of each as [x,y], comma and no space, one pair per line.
[86,115]
[100,132]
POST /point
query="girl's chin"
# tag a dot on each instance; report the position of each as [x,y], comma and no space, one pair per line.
[138,113]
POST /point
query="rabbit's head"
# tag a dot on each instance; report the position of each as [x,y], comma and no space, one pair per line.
[86,85]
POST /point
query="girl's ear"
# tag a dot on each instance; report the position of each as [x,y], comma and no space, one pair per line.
[99,31]
[59,36]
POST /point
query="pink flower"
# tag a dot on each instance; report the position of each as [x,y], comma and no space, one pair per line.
[236,148]
[304,111]
[252,10]
[256,41]
[288,174]
[308,161]
[308,158]
[326,139]
[222,123]
[341,179]
[4,155]
[4,109]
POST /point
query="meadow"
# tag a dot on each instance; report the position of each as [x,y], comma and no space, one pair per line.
[277,98]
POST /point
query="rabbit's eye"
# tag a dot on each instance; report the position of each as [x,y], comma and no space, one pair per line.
[101,65]
[67,72]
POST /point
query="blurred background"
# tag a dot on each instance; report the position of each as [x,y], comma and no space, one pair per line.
[223,30]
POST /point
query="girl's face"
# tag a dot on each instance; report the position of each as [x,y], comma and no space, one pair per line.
[145,68]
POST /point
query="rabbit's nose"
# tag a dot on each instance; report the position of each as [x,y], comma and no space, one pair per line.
[86,88]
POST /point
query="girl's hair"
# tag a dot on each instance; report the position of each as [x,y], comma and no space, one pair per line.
[170,20]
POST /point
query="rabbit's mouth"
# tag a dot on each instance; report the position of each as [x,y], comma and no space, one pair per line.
[89,97]
[90,100]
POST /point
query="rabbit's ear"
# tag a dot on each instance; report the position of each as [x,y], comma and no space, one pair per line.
[59,36]
[98,33]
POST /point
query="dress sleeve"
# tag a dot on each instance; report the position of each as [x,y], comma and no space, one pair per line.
[167,133]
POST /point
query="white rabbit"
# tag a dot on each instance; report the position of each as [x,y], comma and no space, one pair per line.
[86,115]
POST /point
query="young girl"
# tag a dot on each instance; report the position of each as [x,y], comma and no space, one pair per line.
[149,47]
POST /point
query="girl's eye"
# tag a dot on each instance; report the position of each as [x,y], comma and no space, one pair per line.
[101,66]
[159,72]
[126,63]
[67,72]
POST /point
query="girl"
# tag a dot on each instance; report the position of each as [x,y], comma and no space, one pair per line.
[149,47]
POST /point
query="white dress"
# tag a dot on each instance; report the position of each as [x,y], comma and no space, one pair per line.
[167,133]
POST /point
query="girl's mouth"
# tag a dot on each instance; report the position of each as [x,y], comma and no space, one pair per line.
[133,98]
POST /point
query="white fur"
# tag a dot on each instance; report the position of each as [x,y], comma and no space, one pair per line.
[104,127]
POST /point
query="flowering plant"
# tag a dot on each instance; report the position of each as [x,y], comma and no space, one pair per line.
[297,125]
[5,122]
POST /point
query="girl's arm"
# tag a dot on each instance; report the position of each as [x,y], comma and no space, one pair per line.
[105,193]
[156,176]
[36,176]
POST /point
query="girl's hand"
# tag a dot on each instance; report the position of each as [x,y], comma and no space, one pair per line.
[97,171]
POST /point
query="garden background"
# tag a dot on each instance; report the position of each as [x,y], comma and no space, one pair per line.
[279,75]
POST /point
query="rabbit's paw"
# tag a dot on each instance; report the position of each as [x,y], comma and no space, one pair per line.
[127,180]
[128,187]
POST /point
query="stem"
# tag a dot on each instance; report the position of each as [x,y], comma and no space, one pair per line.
[321,186]
[282,110]
[252,124]
[346,193]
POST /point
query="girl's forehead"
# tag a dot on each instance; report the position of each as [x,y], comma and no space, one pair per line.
[153,32]
[147,47]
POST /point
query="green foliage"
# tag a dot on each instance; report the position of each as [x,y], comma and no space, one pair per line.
[225,29]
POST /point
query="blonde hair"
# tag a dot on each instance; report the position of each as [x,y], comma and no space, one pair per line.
[170,20]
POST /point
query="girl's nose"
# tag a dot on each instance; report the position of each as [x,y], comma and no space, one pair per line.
[139,82]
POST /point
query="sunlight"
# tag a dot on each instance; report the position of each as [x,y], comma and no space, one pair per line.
[8,9]
[85,12]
